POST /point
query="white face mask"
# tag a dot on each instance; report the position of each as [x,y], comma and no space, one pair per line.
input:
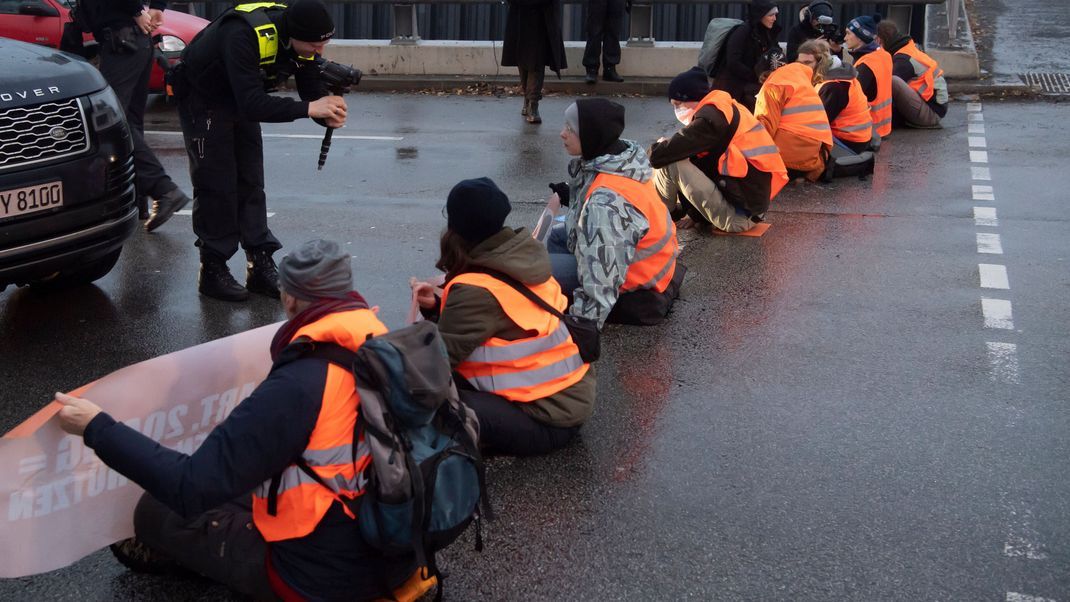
[683,114]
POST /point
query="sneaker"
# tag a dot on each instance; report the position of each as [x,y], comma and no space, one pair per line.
[164,207]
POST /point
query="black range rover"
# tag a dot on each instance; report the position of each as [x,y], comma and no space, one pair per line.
[66,169]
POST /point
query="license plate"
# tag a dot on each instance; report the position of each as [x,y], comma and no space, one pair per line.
[21,201]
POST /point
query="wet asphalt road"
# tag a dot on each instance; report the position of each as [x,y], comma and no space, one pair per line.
[820,419]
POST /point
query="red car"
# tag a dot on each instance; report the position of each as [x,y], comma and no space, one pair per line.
[41,22]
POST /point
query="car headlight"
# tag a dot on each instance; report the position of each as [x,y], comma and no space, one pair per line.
[105,110]
[171,44]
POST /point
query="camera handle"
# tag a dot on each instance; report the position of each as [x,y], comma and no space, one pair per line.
[325,146]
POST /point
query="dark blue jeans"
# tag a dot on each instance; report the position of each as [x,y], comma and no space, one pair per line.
[562,261]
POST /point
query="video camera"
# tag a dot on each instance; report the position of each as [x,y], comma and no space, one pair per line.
[831,32]
[339,79]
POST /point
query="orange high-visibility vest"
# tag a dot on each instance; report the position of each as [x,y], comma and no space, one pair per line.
[880,108]
[751,144]
[924,82]
[301,501]
[802,113]
[853,124]
[534,367]
[655,257]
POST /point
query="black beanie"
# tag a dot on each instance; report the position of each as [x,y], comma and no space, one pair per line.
[601,124]
[476,209]
[309,21]
[689,86]
[865,27]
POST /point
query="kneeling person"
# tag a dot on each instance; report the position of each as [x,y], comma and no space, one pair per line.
[722,165]
[616,254]
[526,381]
[198,512]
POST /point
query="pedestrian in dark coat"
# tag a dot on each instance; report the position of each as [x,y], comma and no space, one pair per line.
[743,48]
[533,42]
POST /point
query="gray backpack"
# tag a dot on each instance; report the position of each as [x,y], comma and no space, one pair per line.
[709,57]
[426,479]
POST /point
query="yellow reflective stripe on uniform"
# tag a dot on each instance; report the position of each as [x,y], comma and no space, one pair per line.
[527,378]
[267,36]
[658,246]
[519,350]
[802,109]
[251,6]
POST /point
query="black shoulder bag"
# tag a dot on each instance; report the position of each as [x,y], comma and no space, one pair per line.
[584,331]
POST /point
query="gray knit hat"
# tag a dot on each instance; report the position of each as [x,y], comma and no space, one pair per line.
[316,270]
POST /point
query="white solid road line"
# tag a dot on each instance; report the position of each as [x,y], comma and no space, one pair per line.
[988,242]
[1003,359]
[985,216]
[189,212]
[997,314]
[983,193]
[981,173]
[298,136]
[993,275]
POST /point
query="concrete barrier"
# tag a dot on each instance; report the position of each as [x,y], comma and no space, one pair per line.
[466,58]
[956,53]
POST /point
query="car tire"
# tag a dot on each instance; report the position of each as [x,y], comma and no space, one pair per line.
[79,274]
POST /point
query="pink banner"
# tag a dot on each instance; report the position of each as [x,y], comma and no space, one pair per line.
[59,502]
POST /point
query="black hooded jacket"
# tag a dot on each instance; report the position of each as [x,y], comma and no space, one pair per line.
[601,124]
[742,49]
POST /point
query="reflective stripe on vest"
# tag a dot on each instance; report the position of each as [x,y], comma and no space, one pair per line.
[802,113]
[925,70]
[751,144]
[267,35]
[655,258]
[527,369]
[879,63]
[301,502]
[854,123]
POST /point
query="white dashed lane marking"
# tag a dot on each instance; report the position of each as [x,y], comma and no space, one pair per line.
[997,313]
[973,107]
[985,216]
[190,212]
[981,173]
[976,128]
[297,136]
[1016,597]
[977,156]
[1003,360]
[976,117]
[978,142]
[983,193]
[987,242]
[993,276]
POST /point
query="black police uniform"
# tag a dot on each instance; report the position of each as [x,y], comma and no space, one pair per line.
[604,20]
[222,87]
[126,58]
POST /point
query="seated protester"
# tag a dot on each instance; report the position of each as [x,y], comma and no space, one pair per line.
[308,546]
[919,90]
[792,113]
[616,253]
[874,67]
[519,369]
[722,166]
[815,19]
[841,94]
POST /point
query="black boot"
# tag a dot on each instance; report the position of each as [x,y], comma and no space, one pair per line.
[533,112]
[609,73]
[592,75]
[262,277]
[216,282]
[527,108]
[164,207]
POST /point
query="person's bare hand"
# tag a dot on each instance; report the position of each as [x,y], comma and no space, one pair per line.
[685,223]
[424,292]
[76,413]
[335,123]
[144,22]
[328,108]
[157,17]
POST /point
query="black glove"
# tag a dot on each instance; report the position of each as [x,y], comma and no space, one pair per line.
[561,189]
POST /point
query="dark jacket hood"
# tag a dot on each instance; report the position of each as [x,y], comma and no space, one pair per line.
[844,71]
[758,9]
[513,252]
[898,44]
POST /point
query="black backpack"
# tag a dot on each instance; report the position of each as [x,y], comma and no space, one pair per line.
[426,481]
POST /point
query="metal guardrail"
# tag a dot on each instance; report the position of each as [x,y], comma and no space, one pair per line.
[953,18]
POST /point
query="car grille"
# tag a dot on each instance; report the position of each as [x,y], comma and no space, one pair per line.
[41,133]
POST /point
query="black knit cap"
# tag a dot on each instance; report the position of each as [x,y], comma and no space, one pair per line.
[309,21]
[865,27]
[476,209]
[689,86]
[601,124]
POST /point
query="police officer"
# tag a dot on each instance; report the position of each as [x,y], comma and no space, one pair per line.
[222,86]
[123,30]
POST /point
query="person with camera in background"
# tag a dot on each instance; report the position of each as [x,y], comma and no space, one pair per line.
[815,21]
[123,31]
[223,86]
